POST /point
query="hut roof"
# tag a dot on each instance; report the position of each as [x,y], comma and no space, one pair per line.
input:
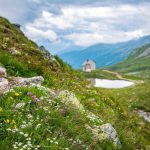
[88,62]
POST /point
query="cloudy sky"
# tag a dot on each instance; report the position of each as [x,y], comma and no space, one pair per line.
[59,24]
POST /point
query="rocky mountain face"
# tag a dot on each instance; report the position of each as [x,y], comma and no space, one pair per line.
[104,54]
[142,52]
[146,53]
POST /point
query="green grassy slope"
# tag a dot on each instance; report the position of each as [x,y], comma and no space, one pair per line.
[49,124]
[30,61]
[139,60]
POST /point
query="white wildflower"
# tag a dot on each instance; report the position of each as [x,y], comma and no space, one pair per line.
[23,126]
[20,144]
[30,116]
[20,105]
[25,146]
[56,142]
[29,142]
[8,129]
[21,133]
[38,125]
[38,146]
[15,147]
[28,139]
[26,135]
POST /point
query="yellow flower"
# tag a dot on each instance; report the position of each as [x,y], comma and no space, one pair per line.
[13,122]
[16,94]
[1,109]
[7,121]
[15,126]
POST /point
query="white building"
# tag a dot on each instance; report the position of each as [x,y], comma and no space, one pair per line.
[89,65]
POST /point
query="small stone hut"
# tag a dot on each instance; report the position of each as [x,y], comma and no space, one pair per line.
[88,65]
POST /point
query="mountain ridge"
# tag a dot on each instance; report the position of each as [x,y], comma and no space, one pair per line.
[104,54]
[138,60]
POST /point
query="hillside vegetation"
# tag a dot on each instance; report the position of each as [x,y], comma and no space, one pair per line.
[137,63]
[64,113]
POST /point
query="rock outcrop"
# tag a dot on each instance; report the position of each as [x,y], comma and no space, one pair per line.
[110,133]
[46,53]
[70,99]
[49,56]
[38,80]
[104,132]
[4,85]
[145,115]
[3,72]
[14,51]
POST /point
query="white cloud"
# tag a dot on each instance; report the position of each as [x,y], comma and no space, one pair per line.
[82,25]
[38,34]
[14,10]
[35,1]
[134,34]
[87,25]
[84,39]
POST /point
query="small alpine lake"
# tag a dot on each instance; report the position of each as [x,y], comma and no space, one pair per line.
[105,83]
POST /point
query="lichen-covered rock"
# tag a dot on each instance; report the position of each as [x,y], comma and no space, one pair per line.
[145,115]
[3,72]
[104,132]
[49,56]
[4,85]
[27,81]
[110,133]
[14,51]
[70,99]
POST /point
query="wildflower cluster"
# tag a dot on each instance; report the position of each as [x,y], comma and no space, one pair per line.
[34,97]
[93,118]
[11,123]
[26,144]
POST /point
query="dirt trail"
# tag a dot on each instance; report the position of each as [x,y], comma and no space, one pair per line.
[114,73]
[119,76]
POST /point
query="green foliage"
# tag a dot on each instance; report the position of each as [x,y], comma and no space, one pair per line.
[14,67]
[33,112]
[134,63]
